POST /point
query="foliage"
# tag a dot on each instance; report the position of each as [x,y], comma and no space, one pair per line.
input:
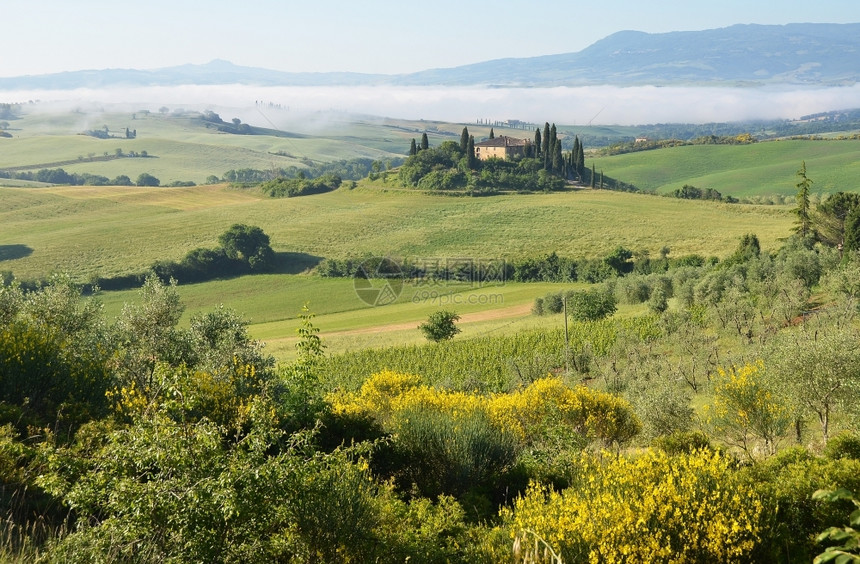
[449,453]
[835,218]
[440,326]
[291,187]
[648,508]
[849,537]
[688,192]
[169,490]
[527,413]
[843,445]
[146,179]
[54,350]
[787,482]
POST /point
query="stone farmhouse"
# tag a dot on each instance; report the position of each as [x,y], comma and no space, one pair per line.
[501,147]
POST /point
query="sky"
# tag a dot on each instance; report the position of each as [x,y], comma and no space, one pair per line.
[366,36]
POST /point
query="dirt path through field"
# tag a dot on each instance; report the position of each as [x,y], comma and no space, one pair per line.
[502,313]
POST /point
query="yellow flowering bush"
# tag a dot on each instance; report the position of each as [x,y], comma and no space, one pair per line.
[591,413]
[388,393]
[649,508]
[526,413]
[745,412]
[195,394]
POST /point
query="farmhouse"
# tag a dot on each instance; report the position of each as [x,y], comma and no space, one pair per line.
[501,147]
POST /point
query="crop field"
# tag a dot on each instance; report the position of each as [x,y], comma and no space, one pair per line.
[90,231]
[271,304]
[740,170]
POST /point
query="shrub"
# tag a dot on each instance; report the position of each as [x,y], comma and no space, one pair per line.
[450,453]
[650,508]
[843,445]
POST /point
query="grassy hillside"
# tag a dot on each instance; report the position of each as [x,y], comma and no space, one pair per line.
[740,170]
[181,147]
[95,231]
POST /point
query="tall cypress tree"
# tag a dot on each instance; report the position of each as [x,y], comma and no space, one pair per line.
[492,134]
[413,148]
[470,153]
[425,143]
[537,142]
[580,157]
[545,146]
[593,176]
[557,161]
[464,139]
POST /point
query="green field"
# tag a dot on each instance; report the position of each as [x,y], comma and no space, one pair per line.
[110,231]
[182,148]
[740,170]
[271,304]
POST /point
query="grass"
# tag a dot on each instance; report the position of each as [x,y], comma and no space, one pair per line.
[271,304]
[740,170]
[110,231]
[182,148]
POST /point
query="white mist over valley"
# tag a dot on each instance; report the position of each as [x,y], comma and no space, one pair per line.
[595,105]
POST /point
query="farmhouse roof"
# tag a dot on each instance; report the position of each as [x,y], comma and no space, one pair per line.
[503,141]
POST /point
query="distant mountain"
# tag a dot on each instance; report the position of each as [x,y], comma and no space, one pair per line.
[796,54]
[820,54]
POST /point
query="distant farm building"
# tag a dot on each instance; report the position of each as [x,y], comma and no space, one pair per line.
[501,147]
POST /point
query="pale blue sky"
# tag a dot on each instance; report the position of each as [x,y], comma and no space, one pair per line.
[371,36]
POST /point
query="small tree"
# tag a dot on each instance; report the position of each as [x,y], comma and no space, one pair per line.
[248,243]
[440,326]
[425,143]
[591,305]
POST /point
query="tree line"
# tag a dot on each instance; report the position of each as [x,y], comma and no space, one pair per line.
[60,176]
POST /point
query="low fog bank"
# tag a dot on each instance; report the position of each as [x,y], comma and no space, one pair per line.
[597,105]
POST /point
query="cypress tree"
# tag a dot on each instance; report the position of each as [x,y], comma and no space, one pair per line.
[593,176]
[545,146]
[492,134]
[425,143]
[413,148]
[464,139]
[470,153]
[580,157]
[537,142]
[557,161]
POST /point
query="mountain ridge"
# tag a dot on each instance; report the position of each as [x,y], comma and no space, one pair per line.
[742,54]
